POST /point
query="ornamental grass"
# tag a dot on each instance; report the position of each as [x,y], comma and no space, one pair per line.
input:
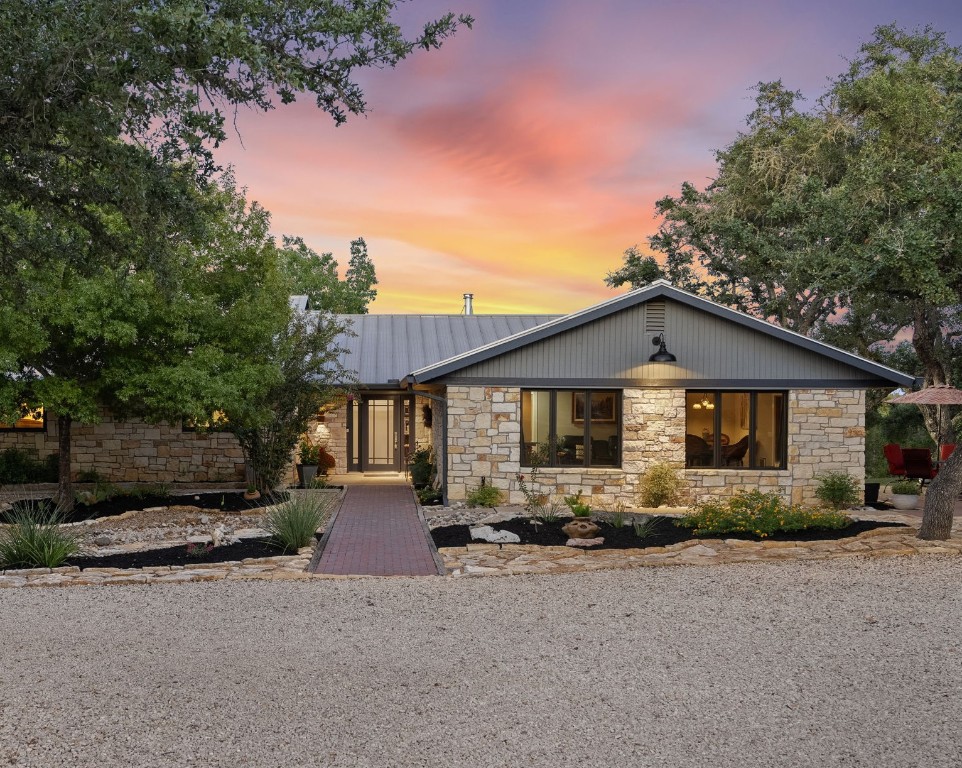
[36,538]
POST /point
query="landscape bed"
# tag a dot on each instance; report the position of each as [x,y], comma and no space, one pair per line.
[663,533]
[184,555]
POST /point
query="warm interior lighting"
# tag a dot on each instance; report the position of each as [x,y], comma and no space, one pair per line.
[703,403]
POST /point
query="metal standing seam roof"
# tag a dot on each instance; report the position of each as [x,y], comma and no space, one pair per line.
[384,349]
[657,289]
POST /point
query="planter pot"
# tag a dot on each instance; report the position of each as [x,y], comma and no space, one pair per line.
[905,500]
[581,528]
[251,495]
[871,493]
[306,474]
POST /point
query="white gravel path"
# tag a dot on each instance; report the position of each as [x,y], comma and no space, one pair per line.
[830,663]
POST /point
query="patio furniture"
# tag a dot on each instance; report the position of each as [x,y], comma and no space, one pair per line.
[697,452]
[893,455]
[918,464]
[735,453]
[945,451]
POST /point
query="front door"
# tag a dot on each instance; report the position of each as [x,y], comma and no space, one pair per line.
[380,432]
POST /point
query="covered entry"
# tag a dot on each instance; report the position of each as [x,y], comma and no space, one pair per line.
[380,432]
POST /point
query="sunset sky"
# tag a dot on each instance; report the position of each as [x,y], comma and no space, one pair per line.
[520,160]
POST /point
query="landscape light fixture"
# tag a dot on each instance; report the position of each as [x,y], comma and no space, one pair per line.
[662,355]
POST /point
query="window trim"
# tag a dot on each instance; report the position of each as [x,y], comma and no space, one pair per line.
[751,459]
[553,462]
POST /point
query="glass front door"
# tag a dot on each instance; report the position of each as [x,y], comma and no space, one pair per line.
[380,432]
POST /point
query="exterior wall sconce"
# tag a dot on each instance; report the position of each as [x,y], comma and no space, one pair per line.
[662,355]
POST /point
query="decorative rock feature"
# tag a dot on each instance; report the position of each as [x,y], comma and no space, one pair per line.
[585,543]
[581,528]
[489,534]
[103,541]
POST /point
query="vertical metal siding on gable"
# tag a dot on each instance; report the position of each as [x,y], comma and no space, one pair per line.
[618,347]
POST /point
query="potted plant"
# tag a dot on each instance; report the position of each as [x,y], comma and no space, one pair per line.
[252,493]
[310,456]
[905,494]
[581,527]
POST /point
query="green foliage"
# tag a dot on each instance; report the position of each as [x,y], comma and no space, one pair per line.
[646,525]
[309,453]
[838,489]
[484,496]
[315,275]
[761,514]
[35,538]
[422,467]
[18,466]
[292,525]
[905,487]
[578,507]
[617,518]
[196,550]
[545,511]
[659,485]
[428,495]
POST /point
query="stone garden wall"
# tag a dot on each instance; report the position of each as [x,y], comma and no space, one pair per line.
[826,432]
[134,451]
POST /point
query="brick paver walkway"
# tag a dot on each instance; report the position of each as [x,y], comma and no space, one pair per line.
[377,532]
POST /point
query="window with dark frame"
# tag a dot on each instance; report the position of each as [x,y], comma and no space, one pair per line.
[31,420]
[571,428]
[731,430]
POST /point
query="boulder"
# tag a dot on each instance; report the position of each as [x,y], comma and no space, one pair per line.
[489,534]
[586,543]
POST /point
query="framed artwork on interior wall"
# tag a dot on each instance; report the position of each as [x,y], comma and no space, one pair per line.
[602,408]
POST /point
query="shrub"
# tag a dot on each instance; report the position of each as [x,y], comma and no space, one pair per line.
[310,454]
[35,538]
[422,467]
[292,525]
[428,495]
[659,485]
[758,513]
[905,487]
[485,496]
[578,507]
[838,489]
[18,466]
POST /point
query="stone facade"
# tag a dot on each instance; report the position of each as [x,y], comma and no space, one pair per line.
[826,432]
[134,451]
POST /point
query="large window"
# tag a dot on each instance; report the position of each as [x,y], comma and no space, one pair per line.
[30,419]
[735,429]
[570,428]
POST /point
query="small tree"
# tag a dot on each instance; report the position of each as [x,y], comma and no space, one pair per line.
[307,377]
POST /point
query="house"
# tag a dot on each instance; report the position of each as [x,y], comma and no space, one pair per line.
[732,401]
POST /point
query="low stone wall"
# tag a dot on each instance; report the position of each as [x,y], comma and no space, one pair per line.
[826,432]
[134,451]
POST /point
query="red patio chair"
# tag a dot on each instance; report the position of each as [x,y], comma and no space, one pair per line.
[945,451]
[918,464]
[893,455]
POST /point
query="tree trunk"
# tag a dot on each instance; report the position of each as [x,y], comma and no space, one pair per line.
[940,499]
[64,484]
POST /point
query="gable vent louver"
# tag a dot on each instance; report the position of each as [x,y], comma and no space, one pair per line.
[655,317]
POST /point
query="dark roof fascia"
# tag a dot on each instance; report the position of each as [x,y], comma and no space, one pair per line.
[755,385]
[658,289]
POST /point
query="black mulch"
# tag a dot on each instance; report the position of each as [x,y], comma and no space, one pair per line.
[665,533]
[183,554]
[221,501]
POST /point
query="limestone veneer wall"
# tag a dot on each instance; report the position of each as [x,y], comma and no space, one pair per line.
[826,431]
[134,451]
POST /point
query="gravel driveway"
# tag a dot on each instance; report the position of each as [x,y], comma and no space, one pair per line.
[831,663]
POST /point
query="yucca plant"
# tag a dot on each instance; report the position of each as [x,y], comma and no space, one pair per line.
[36,538]
[292,525]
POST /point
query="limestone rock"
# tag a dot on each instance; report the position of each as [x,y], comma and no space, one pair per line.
[586,543]
[701,549]
[489,534]
[103,541]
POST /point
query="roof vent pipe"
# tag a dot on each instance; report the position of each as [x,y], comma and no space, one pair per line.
[468,307]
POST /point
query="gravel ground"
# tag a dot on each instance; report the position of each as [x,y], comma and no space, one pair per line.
[830,663]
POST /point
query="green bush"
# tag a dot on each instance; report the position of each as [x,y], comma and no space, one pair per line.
[18,466]
[421,466]
[659,485]
[485,496]
[428,495]
[578,507]
[292,525]
[838,489]
[758,513]
[905,487]
[35,538]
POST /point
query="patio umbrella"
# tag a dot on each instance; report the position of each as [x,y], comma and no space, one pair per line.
[937,394]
